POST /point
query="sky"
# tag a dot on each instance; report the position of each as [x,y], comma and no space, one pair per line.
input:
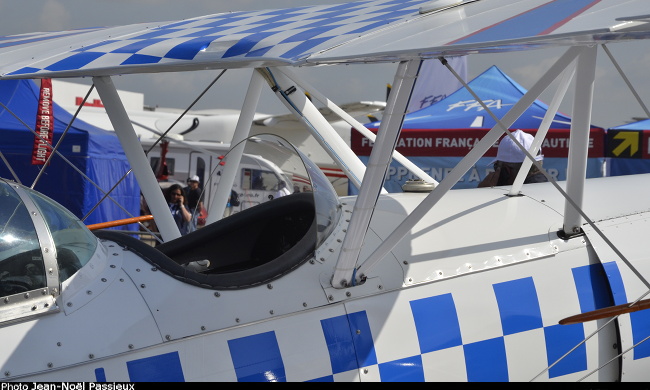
[614,104]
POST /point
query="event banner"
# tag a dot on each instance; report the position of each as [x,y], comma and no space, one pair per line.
[44,125]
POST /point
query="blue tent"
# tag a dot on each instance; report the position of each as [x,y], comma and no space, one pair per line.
[94,152]
[437,137]
[628,149]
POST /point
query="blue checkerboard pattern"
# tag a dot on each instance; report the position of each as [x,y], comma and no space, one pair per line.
[288,34]
[439,331]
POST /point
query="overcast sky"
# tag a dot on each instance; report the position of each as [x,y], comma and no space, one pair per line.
[614,103]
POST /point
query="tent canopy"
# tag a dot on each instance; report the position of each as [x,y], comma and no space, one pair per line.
[461,111]
[96,153]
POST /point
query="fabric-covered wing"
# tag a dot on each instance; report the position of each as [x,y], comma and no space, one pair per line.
[359,31]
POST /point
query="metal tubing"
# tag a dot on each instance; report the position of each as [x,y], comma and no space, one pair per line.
[243,128]
[414,169]
[579,140]
[320,128]
[138,160]
[467,162]
[380,157]
[543,130]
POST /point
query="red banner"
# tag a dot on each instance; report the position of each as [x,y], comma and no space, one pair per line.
[458,142]
[44,125]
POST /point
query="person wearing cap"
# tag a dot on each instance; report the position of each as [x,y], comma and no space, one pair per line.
[509,159]
[193,195]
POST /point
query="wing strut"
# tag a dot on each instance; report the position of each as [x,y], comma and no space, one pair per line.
[244,123]
[470,159]
[543,129]
[138,160]
[378,164]
[579,140]
[414,169]
[298,104]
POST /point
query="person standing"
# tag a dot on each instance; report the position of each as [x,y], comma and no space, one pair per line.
[509,160]
[194,203]
[178,208]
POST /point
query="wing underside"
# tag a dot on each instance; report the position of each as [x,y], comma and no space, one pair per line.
[354,32]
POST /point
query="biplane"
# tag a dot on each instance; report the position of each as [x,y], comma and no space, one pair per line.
[526,282]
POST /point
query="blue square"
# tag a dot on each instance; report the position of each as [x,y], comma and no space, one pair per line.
[592,287]
[560,339]
[641,330]
[436,322]
[486,361]
[364,345]
[339,344]
[403,370]
[257,358]
[160,368]
[518,305]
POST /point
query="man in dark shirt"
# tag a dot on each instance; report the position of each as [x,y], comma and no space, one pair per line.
[194,203]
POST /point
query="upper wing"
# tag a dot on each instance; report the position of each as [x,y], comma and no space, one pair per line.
[360,31]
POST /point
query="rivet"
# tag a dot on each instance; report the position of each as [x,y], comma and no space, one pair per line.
[115,254]
[137,270]
[311,262]
[410,280]
[49,365]
[203,328]
[237,320]
[216,294]
[615,346]
[154,269]
[121,280]
[104,280]
[91,356]
[46,250]
[348,294]
[322,259]
[7,373]
[50,271]
[269,286]
[58,344]
[304,304]
[143,285]
[6,300]
[34,307]
[271,312]
[331,298]
[89,292]
[112,265]
[69,304]
[26,295]
[168,337]
[380,287]
[405,262]
[365,370]
[358,331]
[338,240]
[331,249]
[130,346]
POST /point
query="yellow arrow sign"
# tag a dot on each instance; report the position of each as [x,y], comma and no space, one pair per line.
[630,140]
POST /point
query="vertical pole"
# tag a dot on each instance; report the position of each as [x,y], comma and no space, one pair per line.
[244,123]
[579,141]
[378,163]
[138,160]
